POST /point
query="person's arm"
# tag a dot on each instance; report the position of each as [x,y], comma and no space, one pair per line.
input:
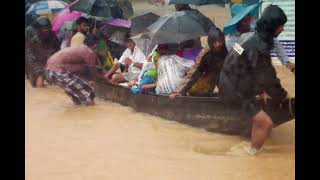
[261,72]
[281,53]
[193,74]
[137,65]
[283,56]
[149,86]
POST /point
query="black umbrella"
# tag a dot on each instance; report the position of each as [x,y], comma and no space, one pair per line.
[174,28]
[98,8]
[140,23]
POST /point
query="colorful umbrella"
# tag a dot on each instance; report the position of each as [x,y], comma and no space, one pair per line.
[46,7]
[64,16]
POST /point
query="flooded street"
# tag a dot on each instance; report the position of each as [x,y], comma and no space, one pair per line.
[112,142]
[109,141]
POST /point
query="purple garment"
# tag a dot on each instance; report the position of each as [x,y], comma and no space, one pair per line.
[191,54]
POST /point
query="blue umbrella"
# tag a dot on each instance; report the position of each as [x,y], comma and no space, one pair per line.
[240,11]
[199,2]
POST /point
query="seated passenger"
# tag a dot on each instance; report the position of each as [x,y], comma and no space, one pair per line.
[133,59]
[204,75]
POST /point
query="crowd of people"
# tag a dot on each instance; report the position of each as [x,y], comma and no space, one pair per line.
[238,64]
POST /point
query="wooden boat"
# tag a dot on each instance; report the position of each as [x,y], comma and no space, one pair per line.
[203,112]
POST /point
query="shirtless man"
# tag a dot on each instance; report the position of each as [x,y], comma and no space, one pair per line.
[62,65]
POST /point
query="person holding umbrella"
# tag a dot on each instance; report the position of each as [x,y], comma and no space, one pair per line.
[133,59]
[82,26]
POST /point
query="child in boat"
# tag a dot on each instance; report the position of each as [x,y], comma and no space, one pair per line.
[148,78]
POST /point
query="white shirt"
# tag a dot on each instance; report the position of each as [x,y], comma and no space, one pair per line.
[137,57]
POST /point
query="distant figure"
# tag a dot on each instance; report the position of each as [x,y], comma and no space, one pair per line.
[248,79]
[82,26]
[63,65]
[40,44]
[133,59]
[203,77]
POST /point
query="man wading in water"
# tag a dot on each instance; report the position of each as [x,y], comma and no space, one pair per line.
[62,66]
[248,78]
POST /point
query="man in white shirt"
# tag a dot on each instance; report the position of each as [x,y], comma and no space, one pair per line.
[133,59]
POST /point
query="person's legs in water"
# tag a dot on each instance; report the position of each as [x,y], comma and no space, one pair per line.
[39,81]
[118,78]
[261,128]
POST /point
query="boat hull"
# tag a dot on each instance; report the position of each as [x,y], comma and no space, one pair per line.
[209,113]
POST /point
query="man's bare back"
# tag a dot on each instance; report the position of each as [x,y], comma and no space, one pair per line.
[72,59]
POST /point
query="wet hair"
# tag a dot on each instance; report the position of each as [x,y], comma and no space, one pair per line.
[81,20]
[271,18]
[90,40]
[215,34]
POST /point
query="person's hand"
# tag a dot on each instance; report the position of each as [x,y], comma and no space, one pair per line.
[149,58]
[291,66]
[107,75]
[263,96]
[128,61]
[173,95]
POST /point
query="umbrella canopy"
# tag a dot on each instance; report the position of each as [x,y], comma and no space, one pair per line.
[199,2]
[98,8]
[66,29]
[175,28]
[178,27]
[120,23]
[239,11]
[64,16]
[140,23]
[46,7]
[108,28]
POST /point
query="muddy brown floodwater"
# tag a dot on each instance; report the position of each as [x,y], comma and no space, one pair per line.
[112,142]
